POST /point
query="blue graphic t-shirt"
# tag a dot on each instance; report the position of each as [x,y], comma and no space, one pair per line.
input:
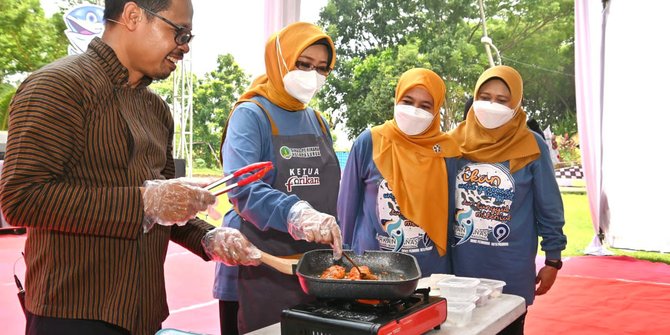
[370,217]
[499,218]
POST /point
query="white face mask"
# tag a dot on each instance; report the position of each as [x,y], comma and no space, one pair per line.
[301,85]
[492,114]
[411,120]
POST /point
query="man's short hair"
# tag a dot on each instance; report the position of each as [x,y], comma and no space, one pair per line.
[114,8]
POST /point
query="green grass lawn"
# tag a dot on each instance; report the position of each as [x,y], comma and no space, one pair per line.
[199,172]
[579,230]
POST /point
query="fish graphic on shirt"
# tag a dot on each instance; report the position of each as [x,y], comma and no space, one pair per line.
[465,220]
[394,229]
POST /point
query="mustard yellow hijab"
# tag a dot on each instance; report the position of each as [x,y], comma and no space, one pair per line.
[414,166]
[512,141]
[293,40]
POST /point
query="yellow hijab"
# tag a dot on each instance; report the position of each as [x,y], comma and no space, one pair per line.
[512,141]
[414,166]
[293,40]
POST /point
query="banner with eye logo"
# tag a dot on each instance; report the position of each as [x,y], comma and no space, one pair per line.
[83,22]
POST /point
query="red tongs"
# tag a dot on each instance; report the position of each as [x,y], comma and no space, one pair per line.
[259,170]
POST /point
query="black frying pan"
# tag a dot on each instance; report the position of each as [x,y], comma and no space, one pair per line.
[398,273]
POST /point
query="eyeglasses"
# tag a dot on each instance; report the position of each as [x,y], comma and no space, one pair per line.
[182,34]
[304,66]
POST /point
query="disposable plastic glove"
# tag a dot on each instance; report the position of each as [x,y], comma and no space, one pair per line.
[306,223]
[198,181]
[173,201]
[229,246]
[211,215]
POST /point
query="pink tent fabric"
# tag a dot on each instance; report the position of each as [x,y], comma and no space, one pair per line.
[279,14]
[588,72]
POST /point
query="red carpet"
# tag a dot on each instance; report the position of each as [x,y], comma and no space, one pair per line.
[188,283]
[604,295]
[622,267]
[12,320]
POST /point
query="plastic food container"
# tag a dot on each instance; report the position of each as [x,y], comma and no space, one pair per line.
[483,294]
[458,288]
[496,286]
[431,282]
[473,299]
[459,313]
[437,277]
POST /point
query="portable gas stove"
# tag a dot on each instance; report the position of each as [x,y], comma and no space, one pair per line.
[415,314]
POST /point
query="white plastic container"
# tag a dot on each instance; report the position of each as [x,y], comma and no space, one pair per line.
[483,294]
[458,288]
[431,282]
[496,286]
[436,278]
[459,313]
[473,299]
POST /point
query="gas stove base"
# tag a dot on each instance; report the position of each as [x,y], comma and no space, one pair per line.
[416,314]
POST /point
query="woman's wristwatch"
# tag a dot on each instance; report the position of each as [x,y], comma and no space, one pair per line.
[554,263]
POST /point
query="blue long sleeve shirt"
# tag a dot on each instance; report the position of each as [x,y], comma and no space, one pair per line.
[363,208]
[499,217]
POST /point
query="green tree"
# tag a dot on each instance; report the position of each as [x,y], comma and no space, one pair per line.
[369,96]
[378,41]
[537,38]
[28,39]
[213,97]
[6,93]
[446,36]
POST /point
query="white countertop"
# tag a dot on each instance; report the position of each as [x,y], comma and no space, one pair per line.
[488,319]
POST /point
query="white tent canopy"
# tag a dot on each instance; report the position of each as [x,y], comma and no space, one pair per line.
[623,114]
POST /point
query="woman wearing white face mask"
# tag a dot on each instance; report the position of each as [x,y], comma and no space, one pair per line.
[395,187]
[292,209]
[507,194]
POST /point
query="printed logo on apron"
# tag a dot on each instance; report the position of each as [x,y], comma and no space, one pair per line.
[306,152]
[285,152]
[301,177]
[484,194]
[400,234]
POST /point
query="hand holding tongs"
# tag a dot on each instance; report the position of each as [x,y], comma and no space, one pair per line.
[259,169]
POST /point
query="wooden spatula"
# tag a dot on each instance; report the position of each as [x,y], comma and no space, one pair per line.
[355,265]
[283,265]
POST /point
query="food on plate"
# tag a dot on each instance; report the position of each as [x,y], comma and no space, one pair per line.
[339,272]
